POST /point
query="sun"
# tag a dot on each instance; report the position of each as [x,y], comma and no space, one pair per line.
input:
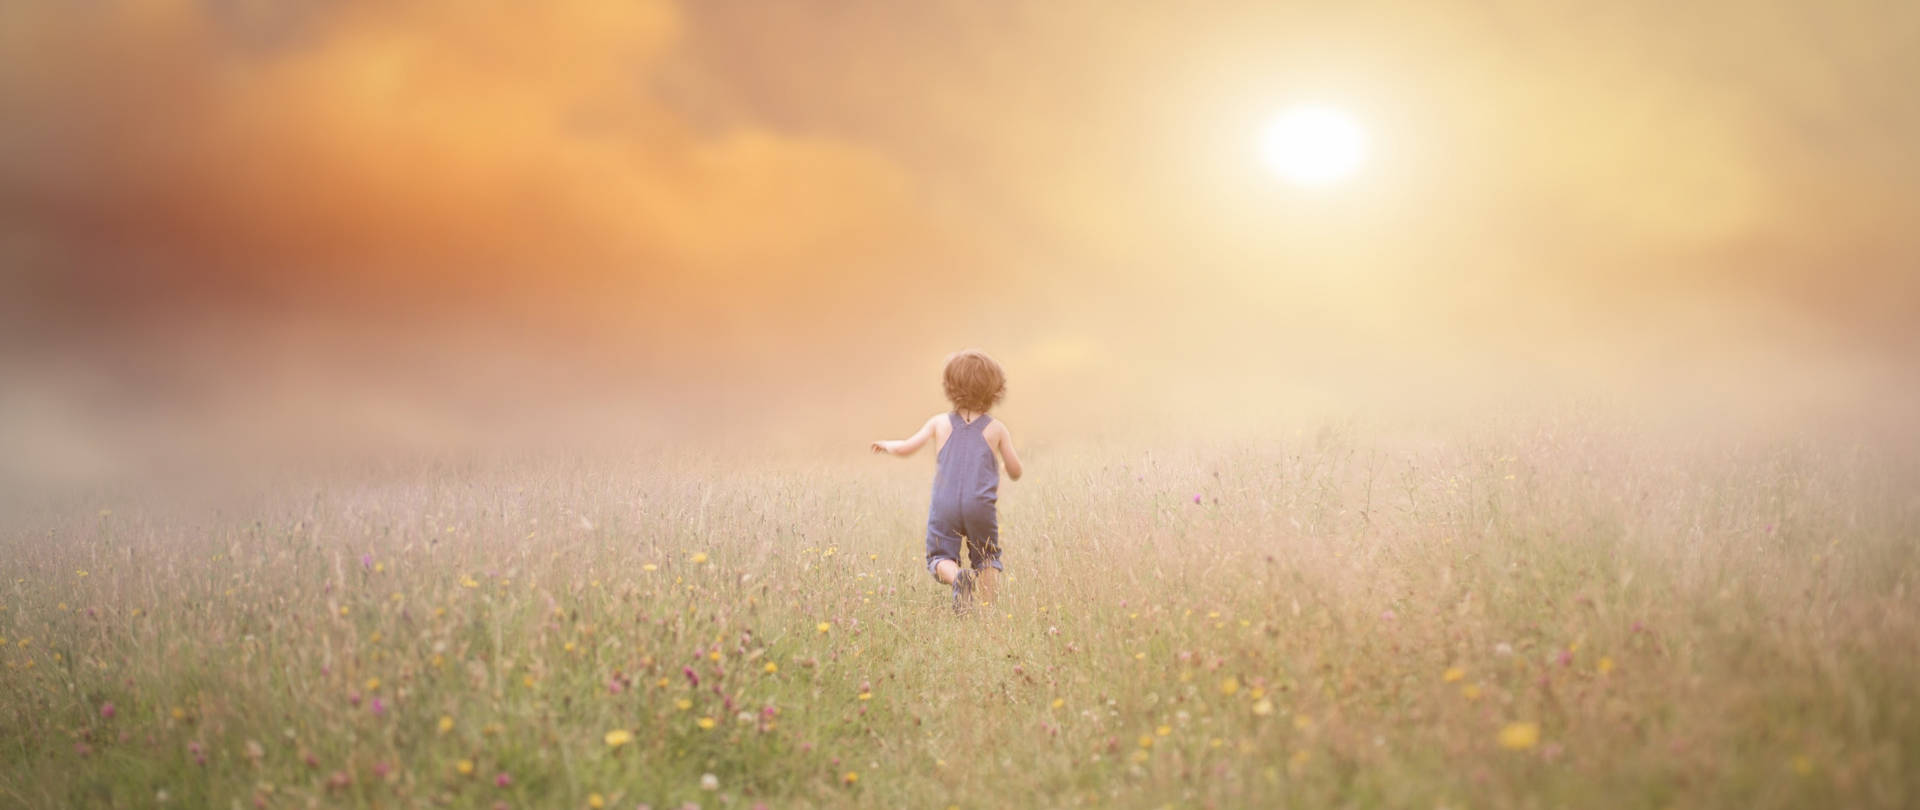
[1313,146]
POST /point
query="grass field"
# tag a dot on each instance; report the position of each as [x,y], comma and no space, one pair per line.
[1568,615]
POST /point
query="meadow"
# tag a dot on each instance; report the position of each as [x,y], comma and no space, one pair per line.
[1511,615]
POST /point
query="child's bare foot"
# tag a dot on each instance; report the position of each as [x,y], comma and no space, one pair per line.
[963,591]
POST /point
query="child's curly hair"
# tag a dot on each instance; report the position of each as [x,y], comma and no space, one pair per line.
[974,382]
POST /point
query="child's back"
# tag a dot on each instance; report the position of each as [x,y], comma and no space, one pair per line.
[966,479]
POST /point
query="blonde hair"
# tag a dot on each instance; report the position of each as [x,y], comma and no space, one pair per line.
[973,381]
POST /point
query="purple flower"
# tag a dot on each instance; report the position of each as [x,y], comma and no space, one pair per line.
[106,710]
[1196,497]
[366,560]
[379,707]
[693,678]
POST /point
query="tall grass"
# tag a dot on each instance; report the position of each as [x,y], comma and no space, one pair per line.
[1529,617]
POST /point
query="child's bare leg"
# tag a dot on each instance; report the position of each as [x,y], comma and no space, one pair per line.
[988,583]
[946,571]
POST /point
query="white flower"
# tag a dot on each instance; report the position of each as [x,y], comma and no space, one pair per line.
[709,782]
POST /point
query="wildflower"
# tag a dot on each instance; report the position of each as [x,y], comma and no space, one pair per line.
[704,722]
[683,704]
[699,557]
[823,627]
[501,779]
[850,778]
[1229,686]
[1196,497]
[1163,730]
[649,567]
[1470,691]
[379,707]
[366,561]
[1453,674]
[344,610]
[693,678]
[1146,741]
[772,667]
[1605,666]
[1058,702]
[1263,708]
[618,737]
[178,713]
[465,767]
[446,724]
[1801,764]
[106,710]
[596,801]
[1520,736]
[709,782]
[373,684]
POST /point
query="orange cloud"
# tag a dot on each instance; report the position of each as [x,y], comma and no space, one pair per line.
[415,135]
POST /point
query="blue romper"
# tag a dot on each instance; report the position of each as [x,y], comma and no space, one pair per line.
[965,485]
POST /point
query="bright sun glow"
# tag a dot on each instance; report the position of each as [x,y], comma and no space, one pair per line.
[1313,146]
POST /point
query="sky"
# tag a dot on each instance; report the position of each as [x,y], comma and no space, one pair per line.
[416,222]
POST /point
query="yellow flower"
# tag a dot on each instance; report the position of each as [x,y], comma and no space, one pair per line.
[1146,741]
[1163,730]
[1263,708]
[1470,691]
[649,567]
[699,557]
[1229,686]
[344,610]
[465,767]
[446,724]
[373,684]
[1606,665]
[1302,722]
[823,627]
[618,737]
[178,713]
[1058,702]
[469,582]
[866,695]
[1520,736]
[683,704]
[850,778]
[704,722]
[1453,674]
[772,667]
[596,801]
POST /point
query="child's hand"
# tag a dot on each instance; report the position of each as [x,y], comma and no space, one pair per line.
[883,447]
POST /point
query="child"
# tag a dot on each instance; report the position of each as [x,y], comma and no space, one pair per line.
[970,446]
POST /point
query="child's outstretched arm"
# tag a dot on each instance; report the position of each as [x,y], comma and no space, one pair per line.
[906,446]
[1003,442]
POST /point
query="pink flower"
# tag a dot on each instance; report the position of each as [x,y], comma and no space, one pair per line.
[693,678]
[502,779]
[379,707]
[380,769]
[353,698]
[1196,497]
[366,561]
[1386,615]
[106,710]
[1566,658]
[614,687]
